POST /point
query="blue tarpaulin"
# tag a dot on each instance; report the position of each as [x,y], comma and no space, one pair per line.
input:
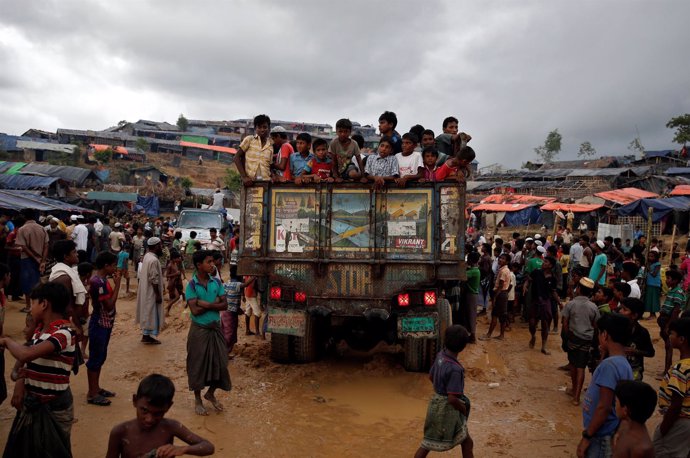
[26,182]
[662,207]
[530,215]
[149,204]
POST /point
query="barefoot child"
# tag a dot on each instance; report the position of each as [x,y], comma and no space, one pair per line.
[635,403]
[123,264]
[671,436]
[207,354]
[252,306]
[85,269]
[43,398]
[641,346]
[673,305]
[445,426]
[151,435]
[229,318]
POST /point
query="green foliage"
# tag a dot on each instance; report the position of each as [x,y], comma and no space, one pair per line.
[64,158]
[636,146]
[182,123]
[124,122]
[141,144]
[186,183]
[232,180]
[104,156]
[682,126]
[586,150]
[550,148]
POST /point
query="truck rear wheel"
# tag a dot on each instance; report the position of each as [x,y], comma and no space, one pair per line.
[415,354]
[305,348]
[445,319]
[280,347]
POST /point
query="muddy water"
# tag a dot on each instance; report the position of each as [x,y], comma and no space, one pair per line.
[348,405]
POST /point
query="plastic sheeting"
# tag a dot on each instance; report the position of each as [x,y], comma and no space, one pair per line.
[530,215]
[662,207]
[149,204]
[625,195]
[25,182]
[20,200]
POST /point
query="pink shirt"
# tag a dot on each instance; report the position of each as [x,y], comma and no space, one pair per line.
[685,269]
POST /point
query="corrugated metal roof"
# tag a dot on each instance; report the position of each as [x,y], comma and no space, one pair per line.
[20,200]
[658,153]
[678,171]
[67,173]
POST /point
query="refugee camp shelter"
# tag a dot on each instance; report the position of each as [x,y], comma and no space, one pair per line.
[624,196]
[19,200]
[666,212]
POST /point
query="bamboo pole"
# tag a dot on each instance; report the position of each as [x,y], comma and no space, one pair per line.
[673,240]
[650,214]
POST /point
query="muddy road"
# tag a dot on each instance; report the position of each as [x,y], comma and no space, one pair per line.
[349,404]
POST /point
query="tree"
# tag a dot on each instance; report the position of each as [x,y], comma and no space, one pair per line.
[186,183]
[551,146]
[586,150]
[182,123]
[124,122]
[682,126]
[104,156]
[141,144]
[233,180]
[636,146]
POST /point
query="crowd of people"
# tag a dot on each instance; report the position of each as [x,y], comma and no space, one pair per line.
[593,292]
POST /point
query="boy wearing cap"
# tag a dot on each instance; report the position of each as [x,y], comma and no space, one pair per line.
[597,271]
[280,168]
[117,238]
[150,314]
[579,319]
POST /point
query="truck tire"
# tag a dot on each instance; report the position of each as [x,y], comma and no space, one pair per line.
[280,348]
[445,319]
[305,348]
[415,354]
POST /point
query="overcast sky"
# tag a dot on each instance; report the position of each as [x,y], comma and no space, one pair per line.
[511,71]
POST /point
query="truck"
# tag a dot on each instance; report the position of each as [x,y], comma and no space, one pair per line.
[199,221]
[345,261]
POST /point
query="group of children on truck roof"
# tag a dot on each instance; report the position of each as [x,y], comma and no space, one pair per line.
[398,159]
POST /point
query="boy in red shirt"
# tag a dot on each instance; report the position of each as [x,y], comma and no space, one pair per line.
[320,168]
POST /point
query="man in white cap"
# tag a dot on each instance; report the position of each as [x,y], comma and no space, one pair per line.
[598,270]
[150,311]
[280,169]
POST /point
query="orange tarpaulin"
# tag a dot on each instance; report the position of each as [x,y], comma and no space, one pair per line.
[575,208]
[501,207]
[516,199]
[681,190]
[116,149]
[220,149]
[625,196]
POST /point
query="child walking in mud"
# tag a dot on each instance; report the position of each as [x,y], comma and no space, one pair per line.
[445,426]
[151,435]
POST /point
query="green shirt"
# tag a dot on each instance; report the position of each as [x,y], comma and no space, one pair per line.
[189,249]
[213,290]
[533,264]
[675,298]
[473,279]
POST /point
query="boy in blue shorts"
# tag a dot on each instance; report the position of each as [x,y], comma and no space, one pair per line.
[207,354]
[446,417]
[599,407]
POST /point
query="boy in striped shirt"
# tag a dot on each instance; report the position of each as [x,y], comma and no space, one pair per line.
[671,436]
[49,359]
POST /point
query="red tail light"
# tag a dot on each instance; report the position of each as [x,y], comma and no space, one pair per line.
[403,300]
[300,296]
[275,293]
[430,298]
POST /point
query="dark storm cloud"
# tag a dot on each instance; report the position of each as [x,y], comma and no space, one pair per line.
[511,71]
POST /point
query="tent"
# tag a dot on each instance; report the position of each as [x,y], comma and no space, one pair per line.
[20,200]
[625,196]
[514,214]
[681,190]
[662,207]
[575,208]
[26,182]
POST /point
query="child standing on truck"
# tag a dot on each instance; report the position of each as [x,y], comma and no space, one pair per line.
[320,168]
[410,164]
[383,166]
[345,152]
[445,426]
[299,160]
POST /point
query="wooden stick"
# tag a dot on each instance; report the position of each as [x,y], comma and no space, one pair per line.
[673,239]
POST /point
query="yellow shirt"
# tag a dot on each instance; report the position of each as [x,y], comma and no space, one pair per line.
[676,381]
[257,158]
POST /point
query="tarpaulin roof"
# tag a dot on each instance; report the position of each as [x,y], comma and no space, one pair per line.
[677,171]
[625,196]
[112,196]
[65,172]
[20,200]
[516,199]
[12,168]
[26,182]
[221,149]
[501,207]
[45,146]
[681,190]
[661,207]
[116,149]
[575,208]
